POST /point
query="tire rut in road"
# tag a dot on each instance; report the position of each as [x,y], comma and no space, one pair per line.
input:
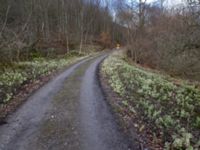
[77,117]
[23,126]
[99,128]
[61,129]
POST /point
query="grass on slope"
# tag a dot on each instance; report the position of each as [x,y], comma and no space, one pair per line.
[13,78]
[170,110]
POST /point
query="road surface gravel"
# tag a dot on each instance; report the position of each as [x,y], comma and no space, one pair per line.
[68,113]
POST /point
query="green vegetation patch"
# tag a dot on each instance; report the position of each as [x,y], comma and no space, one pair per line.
[171,110]
[13,78]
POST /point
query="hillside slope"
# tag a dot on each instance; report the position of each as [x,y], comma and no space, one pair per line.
[163,109]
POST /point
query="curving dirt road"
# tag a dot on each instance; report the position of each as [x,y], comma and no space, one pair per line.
[68,113]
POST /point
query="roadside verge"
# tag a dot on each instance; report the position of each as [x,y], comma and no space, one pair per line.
[27,85]
[158,111]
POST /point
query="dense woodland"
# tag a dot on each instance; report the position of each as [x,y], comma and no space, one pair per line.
[31,27]
[156,36]
[162,37]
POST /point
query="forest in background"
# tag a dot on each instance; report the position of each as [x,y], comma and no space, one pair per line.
[161,37]
[156,36]
[46,27]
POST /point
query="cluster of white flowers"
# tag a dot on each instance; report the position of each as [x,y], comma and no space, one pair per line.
[12,79]
[168,105]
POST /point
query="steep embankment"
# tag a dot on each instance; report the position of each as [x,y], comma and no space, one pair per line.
[163,110]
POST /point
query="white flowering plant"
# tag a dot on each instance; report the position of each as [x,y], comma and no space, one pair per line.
[12,79]
[167,105]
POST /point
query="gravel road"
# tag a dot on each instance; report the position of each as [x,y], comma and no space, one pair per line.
[68,113]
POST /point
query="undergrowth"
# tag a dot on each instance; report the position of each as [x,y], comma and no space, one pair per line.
[171,110]
[12,78]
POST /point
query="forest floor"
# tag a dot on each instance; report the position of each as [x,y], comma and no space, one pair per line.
[19,81]
[69,112]
[162,111]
